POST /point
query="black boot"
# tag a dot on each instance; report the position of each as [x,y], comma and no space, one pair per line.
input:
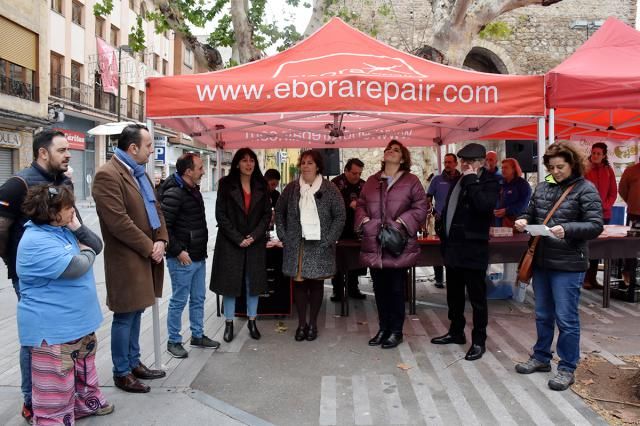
[228,331]
[253,329]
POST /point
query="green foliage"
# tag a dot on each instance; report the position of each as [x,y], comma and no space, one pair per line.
[497,30]
[223,34]
[136,37]
[384,10]
[232,63]
[289,37]
[103,8]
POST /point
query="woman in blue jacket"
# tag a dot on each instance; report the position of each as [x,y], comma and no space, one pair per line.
[515,193]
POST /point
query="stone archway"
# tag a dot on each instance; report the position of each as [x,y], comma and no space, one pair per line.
[484,60]
[486,56]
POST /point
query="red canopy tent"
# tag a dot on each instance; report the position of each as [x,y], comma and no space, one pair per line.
[342,88]
[595,92]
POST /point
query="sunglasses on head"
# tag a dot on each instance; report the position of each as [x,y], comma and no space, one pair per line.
[53,191]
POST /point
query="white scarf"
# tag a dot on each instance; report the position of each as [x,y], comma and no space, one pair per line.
[309,219]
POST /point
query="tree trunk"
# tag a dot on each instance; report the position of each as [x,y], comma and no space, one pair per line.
[317,17]
[459,21]
[243,33]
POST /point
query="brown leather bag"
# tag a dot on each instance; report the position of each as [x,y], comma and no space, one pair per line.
[525,266]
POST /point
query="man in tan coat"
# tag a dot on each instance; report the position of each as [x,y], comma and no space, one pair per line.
[135,238]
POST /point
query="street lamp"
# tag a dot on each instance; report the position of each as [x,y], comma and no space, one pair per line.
[127,49]
[585,24]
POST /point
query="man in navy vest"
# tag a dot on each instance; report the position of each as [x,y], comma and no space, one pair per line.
[50,162]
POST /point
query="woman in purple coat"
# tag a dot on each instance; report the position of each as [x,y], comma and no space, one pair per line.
[394,197]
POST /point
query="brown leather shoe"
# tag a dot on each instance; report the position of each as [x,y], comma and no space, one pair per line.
[143,372]
[129,383]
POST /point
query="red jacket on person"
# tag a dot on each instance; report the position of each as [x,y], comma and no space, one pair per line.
[604,178]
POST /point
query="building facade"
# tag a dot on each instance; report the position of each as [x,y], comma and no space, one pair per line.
[24,83]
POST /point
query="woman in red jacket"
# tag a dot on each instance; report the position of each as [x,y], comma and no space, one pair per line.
[604,178]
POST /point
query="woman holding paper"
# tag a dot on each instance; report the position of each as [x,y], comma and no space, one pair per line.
[560,261]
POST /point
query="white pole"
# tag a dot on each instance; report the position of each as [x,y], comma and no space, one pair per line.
[155,310]
[552,125]
[541,148]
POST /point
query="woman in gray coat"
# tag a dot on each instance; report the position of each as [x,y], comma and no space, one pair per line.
[310,216]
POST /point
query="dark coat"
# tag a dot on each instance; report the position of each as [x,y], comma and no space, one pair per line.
[230,261]
[133,279]
[12,195]
[405,200]
[318,257]
[184,215]
[580,214]
[466,245]
[349,193]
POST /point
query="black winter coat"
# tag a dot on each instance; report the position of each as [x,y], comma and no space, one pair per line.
[580,214]
[230,261]
[186,221]
[467,243]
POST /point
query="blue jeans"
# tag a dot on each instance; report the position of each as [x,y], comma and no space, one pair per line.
[125,342]
[187,283]
[557,297]
[25,359]
[229,303]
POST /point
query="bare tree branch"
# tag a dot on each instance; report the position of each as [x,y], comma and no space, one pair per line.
[317,16]
[454,32]
[211,54]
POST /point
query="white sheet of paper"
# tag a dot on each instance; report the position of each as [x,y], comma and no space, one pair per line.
[542,230]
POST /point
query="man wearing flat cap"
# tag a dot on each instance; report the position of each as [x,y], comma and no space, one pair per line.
[464,236]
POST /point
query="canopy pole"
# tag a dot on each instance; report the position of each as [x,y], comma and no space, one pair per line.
[157,351]
[541,148]
[218,167]
[552,125]
[439,153]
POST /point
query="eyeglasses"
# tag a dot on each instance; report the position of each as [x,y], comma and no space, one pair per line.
[53,191]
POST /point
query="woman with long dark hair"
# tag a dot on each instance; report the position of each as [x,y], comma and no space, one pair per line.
[243,211]
[603,177]
[310,215]
[392,197]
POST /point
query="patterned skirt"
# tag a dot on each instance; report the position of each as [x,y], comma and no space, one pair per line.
[65,382]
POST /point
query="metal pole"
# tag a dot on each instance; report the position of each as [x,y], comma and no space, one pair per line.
[218,165]
[439,154]
[541,148]
[119,72]
[155,309]
[552,125]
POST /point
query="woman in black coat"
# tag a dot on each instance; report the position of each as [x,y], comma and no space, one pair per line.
[560,262]
[243,212]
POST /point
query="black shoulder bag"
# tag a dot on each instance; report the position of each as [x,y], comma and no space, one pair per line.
[390,239]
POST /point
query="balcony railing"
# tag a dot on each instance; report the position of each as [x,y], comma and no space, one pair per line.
[71,90]
[84,94]
[19,89]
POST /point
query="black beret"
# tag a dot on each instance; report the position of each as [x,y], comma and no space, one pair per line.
[472,151]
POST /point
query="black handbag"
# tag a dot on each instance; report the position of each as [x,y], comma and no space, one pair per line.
[391,239]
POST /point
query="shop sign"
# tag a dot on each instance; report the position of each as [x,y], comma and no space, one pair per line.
[160,145]
[10,139]
[75,139]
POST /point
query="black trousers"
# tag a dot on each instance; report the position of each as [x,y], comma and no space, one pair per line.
[474,281]
[389,288]
[352,281]
[439,273]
